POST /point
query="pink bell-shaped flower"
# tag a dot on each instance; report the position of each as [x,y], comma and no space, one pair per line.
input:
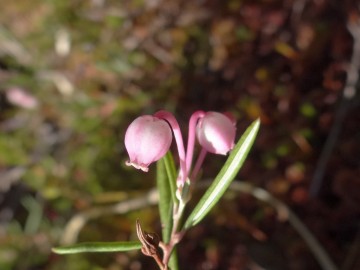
[147,140]
[216,133]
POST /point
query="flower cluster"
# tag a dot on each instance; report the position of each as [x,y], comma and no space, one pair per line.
[149,137]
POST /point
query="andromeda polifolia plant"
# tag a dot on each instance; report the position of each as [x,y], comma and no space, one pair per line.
[147,140]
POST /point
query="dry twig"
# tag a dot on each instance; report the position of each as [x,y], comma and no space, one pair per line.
[349,94]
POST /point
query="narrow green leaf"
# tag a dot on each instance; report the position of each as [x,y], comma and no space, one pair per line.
[171,173]
[173,262]
[225,176]
[98,247]
[165,200]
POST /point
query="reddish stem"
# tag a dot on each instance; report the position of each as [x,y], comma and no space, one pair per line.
[191,137]
[198,163]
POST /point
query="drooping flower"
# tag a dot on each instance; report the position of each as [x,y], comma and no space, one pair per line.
[216,133]
[147,140]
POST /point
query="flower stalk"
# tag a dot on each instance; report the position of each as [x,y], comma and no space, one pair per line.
[179,142]
[191,136]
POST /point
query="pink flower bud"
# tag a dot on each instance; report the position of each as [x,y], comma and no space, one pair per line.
[147,140]
[216,133]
